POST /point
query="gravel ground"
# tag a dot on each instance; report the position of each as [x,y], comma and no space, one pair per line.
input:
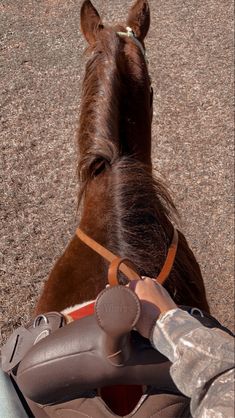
[190,47]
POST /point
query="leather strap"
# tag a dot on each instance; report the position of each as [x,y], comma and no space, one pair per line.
[115,266]
[167,267]
[108,255]
[118,263]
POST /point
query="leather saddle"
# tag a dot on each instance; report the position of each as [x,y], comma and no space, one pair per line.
[69,369]
[65,370]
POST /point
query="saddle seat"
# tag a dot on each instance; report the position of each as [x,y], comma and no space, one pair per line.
[64,375]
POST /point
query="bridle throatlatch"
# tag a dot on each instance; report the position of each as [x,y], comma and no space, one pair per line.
[125,265]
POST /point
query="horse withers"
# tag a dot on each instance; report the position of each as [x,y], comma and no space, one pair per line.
[124,208]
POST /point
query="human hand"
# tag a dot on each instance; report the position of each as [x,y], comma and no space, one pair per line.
[154,300]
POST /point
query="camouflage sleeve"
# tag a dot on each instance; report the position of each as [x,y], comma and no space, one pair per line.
[202,362]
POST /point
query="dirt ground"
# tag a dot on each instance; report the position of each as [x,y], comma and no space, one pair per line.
[190,52]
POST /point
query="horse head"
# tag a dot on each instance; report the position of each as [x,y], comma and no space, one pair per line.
[116,110]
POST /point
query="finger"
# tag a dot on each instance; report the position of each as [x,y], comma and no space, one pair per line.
[132,284]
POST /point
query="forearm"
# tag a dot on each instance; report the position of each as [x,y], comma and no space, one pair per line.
[201,360]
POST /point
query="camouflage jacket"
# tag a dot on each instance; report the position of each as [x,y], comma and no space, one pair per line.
[202,362]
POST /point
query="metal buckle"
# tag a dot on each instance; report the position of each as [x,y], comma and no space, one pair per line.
[37,320]
[196,311]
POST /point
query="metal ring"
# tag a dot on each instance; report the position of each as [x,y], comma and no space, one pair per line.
[36,321]
[195,311]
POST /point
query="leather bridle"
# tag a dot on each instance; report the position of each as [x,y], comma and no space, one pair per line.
[131,34]
[125,265]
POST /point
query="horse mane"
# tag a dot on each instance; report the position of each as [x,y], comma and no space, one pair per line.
[142,229]
[143,214]
[101,121]
[98,128]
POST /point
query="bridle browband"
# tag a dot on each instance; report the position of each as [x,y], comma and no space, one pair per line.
[125,265]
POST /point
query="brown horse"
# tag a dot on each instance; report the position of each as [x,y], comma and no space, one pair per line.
[123,207]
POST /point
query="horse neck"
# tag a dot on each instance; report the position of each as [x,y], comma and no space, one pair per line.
[125,215]
[98,136]
[141,229]
[115,125]
[97,208]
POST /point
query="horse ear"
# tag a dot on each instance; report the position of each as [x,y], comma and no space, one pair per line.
[90,21]
[139,18]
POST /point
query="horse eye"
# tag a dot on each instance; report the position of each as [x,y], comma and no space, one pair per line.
[97,167]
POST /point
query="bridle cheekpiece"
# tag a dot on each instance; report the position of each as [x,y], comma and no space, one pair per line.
[131,34]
